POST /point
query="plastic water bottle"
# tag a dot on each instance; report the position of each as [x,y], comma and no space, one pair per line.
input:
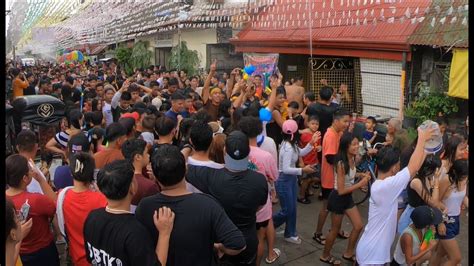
[436,142]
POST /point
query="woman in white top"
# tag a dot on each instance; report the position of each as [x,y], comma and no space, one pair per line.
[452,192]
[407,251]
[286,185]
[340,200]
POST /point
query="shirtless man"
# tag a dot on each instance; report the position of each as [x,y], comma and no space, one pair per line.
[295,92]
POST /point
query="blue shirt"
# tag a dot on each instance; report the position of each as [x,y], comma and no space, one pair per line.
[173,115]
[368,135]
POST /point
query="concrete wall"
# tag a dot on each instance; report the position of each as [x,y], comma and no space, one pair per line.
[197,39]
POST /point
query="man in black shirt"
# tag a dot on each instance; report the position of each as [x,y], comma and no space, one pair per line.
[202,224]
[240,191]
[324,110]
[112,235]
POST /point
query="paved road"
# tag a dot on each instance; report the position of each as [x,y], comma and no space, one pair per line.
[309,251]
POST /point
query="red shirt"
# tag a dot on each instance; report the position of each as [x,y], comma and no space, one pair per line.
[42,210]
[311,158]
[330,147]
[76,208]
[146,187]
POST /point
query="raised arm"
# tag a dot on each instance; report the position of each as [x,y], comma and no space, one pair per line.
[231,82]
[418,156]
[144,88]
[118,94]
[207,83]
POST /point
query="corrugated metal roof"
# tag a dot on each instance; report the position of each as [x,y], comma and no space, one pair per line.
[450,33]
[269,26]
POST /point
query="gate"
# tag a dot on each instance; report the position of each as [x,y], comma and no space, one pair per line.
[338,71]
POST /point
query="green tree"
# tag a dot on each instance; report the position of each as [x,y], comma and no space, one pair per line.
[140,57]
[124,55]
[184,59]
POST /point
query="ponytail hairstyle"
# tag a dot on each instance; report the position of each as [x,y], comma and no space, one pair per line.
[74,118]
[82,167]
[341,156]
[458,172]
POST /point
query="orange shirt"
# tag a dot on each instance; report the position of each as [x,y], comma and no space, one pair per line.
[330,147]
[76,207]
[107,156]
[18,87]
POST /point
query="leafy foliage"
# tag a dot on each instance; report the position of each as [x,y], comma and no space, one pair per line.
[124,55]
[184,59]
[140,56]
[430,103]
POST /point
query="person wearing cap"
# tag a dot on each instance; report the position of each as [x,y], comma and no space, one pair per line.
[202,225]
[286,185]
[264,163]
[239,190]
[63,175]
[407,251]
[115,134]
[376,240]
[211,97]
[76,202]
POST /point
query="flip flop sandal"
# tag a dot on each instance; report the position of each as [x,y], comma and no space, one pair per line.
[344,235]
[304,201]
[277,252]
[330,260]
[351,259]
[319,238]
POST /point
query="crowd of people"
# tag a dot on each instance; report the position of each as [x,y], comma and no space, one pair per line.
[164,169]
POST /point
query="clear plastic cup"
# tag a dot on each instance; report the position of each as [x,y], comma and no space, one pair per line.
[435,144]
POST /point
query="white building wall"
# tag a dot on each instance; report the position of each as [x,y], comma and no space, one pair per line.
[380,87]
[197,39]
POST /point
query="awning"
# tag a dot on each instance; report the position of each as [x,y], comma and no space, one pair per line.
[458,75]
[97,49]
[337,30]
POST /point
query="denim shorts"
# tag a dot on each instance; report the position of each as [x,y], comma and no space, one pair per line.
[452,228]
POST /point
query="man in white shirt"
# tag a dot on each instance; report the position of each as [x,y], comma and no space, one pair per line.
[109,92]
[379,233]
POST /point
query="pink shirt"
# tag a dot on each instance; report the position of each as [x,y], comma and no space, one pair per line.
[264,163]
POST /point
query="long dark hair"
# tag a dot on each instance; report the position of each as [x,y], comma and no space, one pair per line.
[294,141]
[451,147]
[341,155]
[428,168]
[458,172]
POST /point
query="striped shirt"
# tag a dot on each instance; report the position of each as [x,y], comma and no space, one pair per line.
[62,138]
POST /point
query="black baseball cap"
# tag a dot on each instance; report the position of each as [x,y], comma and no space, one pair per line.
[423,216]
[237,151]
[78,143]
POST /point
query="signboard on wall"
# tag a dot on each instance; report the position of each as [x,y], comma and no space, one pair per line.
[264,63]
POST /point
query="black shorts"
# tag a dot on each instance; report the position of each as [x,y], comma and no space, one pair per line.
[326,192]
[263,224]
[339,204]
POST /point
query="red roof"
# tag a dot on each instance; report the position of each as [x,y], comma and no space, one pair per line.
[276,29]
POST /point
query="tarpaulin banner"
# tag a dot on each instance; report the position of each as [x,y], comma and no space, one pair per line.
[458,75]
[264,63]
